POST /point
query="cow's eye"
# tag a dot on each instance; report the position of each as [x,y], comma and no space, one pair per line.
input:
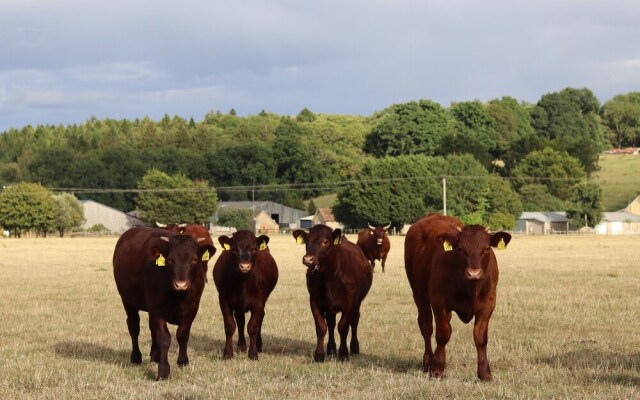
[325,243]
[194,261]
[170,261]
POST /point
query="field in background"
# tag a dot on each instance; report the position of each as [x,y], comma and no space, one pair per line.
[566,326]
[619,177]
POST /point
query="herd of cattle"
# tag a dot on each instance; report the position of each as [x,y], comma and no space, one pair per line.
[450,267]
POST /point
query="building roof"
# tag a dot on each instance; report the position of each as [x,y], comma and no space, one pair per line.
[327,214]
[620,216]
[545,216]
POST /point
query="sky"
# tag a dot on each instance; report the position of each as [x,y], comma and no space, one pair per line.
[65,61]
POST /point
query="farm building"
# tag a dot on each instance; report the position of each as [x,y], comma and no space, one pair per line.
[114,220]
[619,223]
[325,216]
[263,223]
[633,207]
[285,217]
[306,222]
[542,223]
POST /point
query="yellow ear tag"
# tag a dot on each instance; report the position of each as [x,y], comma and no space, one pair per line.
[205,256]
[447,246]
[337,241]
[370,232]
[226,246]
[160,261]
[263,245]
[501,245]
[300,240]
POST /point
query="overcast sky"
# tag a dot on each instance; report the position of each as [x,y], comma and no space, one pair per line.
[63,61]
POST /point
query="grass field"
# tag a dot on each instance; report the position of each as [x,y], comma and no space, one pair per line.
[566,326]
[619,177]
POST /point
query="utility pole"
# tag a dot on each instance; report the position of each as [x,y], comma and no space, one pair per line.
[444,195]
[253,205]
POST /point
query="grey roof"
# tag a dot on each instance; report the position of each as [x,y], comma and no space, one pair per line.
[620,216]
[545,216]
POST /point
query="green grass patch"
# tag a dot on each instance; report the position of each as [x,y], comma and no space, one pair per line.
[619,178]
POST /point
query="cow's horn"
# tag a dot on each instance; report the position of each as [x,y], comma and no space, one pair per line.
[161,225]
[182,225]
[165,238]
[199,240]
[370,227]
[387,226]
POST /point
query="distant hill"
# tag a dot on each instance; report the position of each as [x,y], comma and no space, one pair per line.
[619,177]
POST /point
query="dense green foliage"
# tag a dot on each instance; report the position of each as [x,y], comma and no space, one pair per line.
[27,207]
[69,213]
[585,205]
[175,199]
[543,149]
[236,218]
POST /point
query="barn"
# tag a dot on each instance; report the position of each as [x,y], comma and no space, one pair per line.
[285,217]
[325,216]
[619,223]
[114,220]
[542,223]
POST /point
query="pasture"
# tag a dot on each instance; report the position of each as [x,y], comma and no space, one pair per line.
[566,326]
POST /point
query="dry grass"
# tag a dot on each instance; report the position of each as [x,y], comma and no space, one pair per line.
[566,326]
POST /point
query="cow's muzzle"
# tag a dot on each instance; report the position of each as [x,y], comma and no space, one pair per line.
[245,267]
[180,285]
[379,242]
[309,261]
[474,274]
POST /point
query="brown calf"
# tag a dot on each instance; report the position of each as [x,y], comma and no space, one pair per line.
[245,274]
[159,272]
[338,279]
[452,267]
[375,244]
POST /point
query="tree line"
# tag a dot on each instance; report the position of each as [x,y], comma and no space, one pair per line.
[533,154]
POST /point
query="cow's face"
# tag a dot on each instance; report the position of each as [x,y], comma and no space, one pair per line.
[319,241]
[244,247]
[180,254]
[378,233]
[472,244]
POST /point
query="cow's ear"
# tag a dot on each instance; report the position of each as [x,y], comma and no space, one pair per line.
[159,250]
[263,241]
[337,236]
[300,236]
[446,241]
[500,240]
[206,251]
[225,242]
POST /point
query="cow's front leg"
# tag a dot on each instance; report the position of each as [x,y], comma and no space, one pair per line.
[182,335]
[481,338]
[343,330]
[229,328]
[253,329]
[133,323]
[443,334]
[331,327]
[321,331]
[240,321]
[163,339]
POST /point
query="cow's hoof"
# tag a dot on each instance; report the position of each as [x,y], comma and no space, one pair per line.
[242,347]
[253,355]
[136,358]
[331,349]
[318,357]
[227,355]
[437,374]
[183,361]
[163,372]
[355,348]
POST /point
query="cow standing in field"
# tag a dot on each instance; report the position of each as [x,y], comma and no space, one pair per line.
[245,274]
[339,277]
[197,231]
[375,244]
[159,272]
[452,267]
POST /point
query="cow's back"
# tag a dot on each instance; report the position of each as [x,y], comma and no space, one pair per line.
[129,258]
[420,247]
[355,263]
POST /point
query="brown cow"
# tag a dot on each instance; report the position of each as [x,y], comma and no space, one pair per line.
[452,267]
[196,231]
[338,279]
[159,272]
[245,274]
[375,244]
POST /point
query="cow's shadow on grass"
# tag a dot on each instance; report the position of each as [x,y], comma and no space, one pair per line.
[270,345]
[83,350]
[596,365]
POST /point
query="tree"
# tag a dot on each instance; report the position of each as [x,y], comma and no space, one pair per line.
[584,207]
[475,132]
[389,189]
[175,199]
[536,197]
[305,115]
[621,116]
[237,218]
[69,213]
[558,171]
[409,128]
[569,121]
[27,206]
